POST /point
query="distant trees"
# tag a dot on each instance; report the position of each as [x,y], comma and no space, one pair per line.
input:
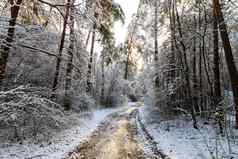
[112,12]
[191,76]
[186,71]
[105,14]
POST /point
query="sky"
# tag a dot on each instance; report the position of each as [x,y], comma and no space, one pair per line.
[129,7]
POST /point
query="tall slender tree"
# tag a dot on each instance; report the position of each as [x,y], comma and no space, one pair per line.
[216,69]
[156,51]
[61,47]
[90,63]
[69,68]
[129,41]
[195,85]
[171,74]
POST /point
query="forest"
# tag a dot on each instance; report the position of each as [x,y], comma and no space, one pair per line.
[118,79]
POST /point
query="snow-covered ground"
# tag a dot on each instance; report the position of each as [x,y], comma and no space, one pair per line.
[179,140]
[63,143]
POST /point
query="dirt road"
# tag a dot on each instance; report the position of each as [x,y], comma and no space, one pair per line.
[117,138]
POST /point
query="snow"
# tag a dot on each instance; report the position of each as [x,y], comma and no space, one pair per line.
[179,140]
[63,143]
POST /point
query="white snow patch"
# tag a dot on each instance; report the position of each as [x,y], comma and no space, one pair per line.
[179,140]
[61,144]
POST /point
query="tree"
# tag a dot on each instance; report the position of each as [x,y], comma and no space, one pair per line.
[171,73]
[129,42]
[90,63]
[5,48]
[61,47]
[216,58]
[228,53]
[69,68]
[156,52]
[111,15]
[94,9]
[110,12]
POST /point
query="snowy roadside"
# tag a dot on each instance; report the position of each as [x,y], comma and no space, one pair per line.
[179,140]
[61,144]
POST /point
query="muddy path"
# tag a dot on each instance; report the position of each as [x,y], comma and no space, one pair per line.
[117,138]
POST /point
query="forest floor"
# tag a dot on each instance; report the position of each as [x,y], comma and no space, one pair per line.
[117,138]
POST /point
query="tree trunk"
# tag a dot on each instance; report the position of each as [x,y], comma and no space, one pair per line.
[172,72]
[88,37]
[61,47]
[69,68]
[228,54]
[103,79]
[156,45]
[156,33]
[195,81]
[90,64]
[205,59]
[217,85]
[5,48]
[128,59]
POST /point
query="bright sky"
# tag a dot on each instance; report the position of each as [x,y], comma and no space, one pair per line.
[129,7]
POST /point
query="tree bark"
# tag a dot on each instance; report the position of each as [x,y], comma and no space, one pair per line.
[5,48]
[228,54]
